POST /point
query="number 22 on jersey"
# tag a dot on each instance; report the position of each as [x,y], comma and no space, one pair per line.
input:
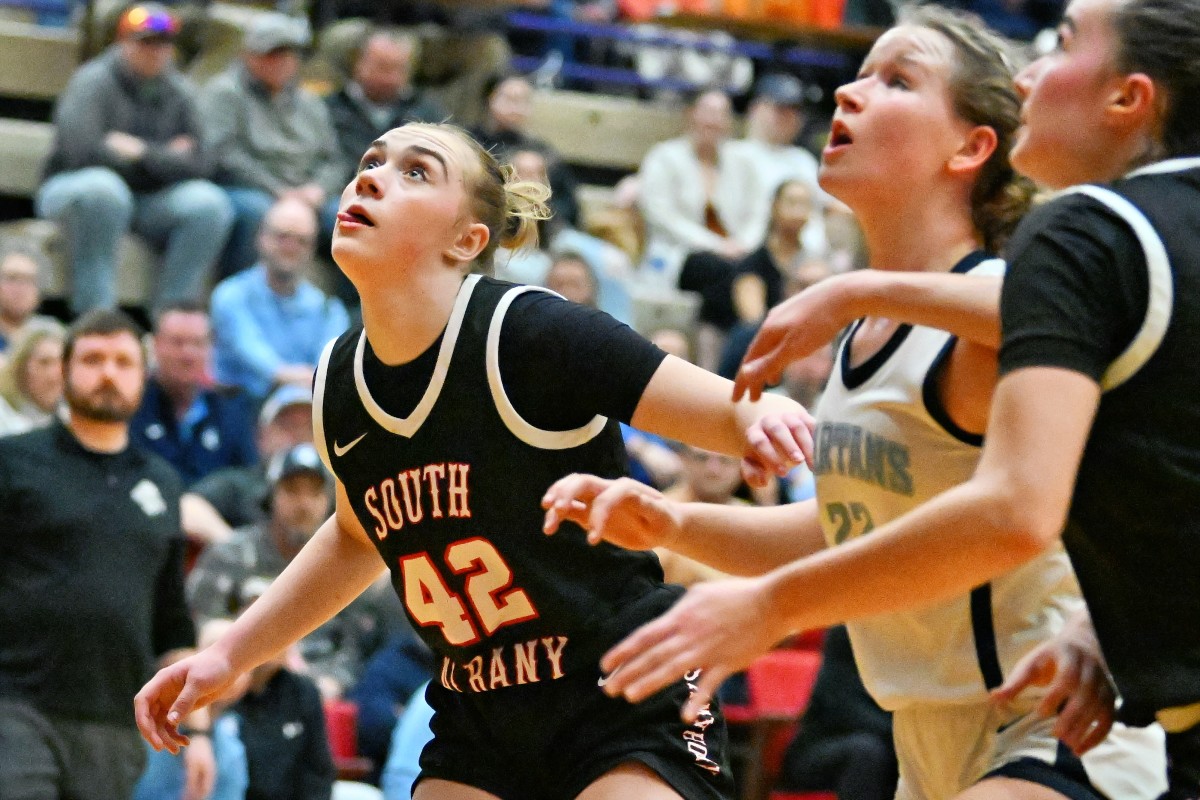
[431,602]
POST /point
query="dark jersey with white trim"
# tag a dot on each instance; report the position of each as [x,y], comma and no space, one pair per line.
[1080,289]
[450,495]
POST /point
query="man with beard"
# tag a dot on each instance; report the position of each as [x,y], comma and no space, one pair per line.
[91,580]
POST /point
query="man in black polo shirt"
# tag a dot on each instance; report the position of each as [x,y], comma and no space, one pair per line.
[91,579]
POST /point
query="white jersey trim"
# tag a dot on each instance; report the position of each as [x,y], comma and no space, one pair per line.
[318,407]
[1164,167]
[407,426]
[1162,285]
[530,435]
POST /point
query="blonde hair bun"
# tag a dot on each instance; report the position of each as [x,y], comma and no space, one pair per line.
[525,205]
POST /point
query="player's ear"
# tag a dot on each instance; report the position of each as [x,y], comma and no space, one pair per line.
[469,243]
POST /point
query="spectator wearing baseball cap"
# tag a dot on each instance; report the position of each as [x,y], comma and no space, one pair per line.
[273,137]
[232,497]
[768,157]
[299,499]
[129,155]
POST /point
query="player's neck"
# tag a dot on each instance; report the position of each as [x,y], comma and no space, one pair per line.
[919,237]
[404,319]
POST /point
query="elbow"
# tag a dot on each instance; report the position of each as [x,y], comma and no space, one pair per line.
[1025,528]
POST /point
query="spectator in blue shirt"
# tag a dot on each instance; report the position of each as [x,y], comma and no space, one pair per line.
[195,426]
[271,323]
[411,735]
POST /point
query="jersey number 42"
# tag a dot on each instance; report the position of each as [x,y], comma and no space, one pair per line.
[487,588]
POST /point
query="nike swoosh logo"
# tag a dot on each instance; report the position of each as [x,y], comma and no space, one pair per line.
[340,451]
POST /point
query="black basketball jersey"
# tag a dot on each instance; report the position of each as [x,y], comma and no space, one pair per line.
[1134,528]
[451,496]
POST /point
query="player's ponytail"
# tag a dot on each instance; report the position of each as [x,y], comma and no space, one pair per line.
[524,207]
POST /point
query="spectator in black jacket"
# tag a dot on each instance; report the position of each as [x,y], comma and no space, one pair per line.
[379,95]
[505,130]
[282,725]
[128,154]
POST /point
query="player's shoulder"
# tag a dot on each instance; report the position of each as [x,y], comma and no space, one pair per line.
[1067,215]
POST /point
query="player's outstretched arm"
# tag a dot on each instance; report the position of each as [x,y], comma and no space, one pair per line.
[337,565]
[1006,515]
[691,405]
[739,540]
[966,305]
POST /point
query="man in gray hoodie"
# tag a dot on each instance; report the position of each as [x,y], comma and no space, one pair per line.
[128,155]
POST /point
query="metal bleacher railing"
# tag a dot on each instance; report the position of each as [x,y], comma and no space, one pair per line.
[781,53]
[55,13]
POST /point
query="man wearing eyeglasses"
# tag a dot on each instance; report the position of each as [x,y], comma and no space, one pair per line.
[128,155]
[269,321]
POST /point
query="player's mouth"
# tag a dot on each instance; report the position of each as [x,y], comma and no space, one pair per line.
[839,139]
[354,217]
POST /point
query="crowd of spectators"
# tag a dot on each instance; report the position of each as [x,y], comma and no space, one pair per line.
[199,439]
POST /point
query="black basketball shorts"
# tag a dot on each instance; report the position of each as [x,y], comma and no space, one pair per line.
[550,740]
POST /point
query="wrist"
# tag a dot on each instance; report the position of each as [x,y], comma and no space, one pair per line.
[677,514]
[780,616]
[192,732]
[852,295]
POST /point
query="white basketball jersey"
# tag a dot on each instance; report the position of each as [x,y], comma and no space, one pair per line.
[885,446]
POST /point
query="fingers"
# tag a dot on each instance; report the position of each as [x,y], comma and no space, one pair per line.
[1089,709]
[1100,730]
[770,444]
[1037,668]
[757,364]
[149,707]
[568,499]
[621,663]
[802,428]
[187,701]
[1064,684]
[754,374]
[709,682]
[754,473]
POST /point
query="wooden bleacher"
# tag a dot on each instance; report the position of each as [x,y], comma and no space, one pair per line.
[602,131]
[36,61]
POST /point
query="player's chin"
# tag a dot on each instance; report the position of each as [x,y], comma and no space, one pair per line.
[347,246]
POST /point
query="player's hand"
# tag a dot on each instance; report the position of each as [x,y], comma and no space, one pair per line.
[718,627]
[175,692]
[1078,689]
[626,512]
[776,443]
[795,328]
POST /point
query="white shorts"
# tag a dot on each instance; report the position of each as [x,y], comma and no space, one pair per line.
[945,749]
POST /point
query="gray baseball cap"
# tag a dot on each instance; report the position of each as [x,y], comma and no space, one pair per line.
[273,31]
